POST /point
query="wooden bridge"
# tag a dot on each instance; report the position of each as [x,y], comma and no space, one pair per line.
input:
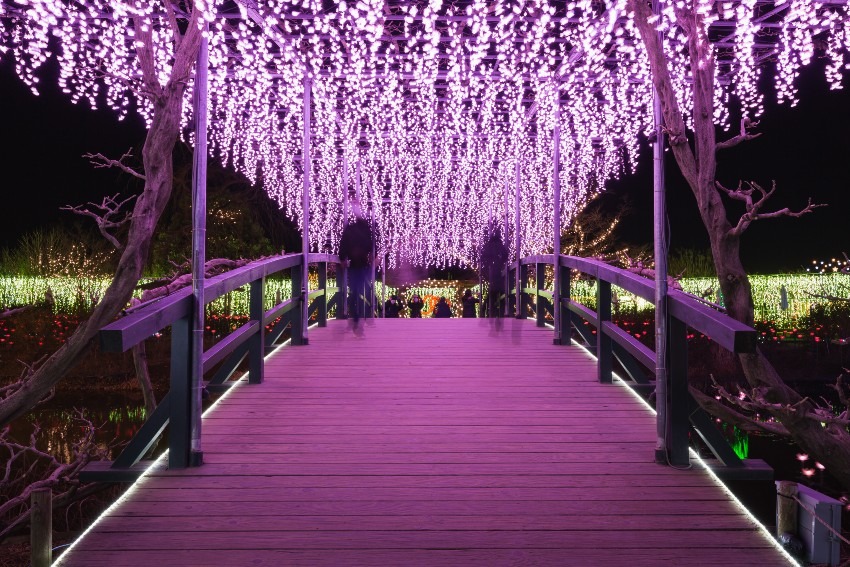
[426,442]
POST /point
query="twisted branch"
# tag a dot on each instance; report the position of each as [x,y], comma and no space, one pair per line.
[100,161]
[754,206]
[744,136]
[105,216]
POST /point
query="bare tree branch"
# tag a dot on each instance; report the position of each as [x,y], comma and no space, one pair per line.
[172,21]
[744,136]
[754,401]
[211,268]
[754,206]
[105,217]
[100,161]
[58,476]
[720,410]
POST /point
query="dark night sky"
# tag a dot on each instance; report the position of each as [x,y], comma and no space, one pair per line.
[805,149]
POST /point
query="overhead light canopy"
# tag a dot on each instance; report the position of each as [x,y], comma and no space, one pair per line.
[436,101]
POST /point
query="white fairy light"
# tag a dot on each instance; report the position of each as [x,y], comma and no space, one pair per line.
[436,103]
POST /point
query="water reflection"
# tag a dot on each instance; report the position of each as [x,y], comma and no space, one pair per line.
[117,418]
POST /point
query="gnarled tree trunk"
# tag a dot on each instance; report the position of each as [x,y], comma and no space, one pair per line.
[158,172]
[830,443]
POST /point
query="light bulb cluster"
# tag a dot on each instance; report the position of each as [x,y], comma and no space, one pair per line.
[433,103]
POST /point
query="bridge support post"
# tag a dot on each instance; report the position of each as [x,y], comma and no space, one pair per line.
[563,317]
[521,284]
[323,299]
[298,321]
[603,341]
[678,421]
[540,310]
[180,421]
[256,346]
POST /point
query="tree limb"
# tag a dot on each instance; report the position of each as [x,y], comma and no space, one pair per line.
[172,22]
[104,219]
[805,408]
[212,267]
[744,136]
[55,474]
[754,206]
[100,161]
[729,415]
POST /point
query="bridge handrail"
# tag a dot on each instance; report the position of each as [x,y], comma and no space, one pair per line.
[160,313]
[610,341]
[249,340]
[723,329]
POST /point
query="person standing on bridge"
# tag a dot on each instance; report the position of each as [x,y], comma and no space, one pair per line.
[469,303]
[415,305]
[494,257]
[442,310]
[355,251]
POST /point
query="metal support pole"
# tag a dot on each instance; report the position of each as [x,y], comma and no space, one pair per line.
[199,230]
[505,241]
[383,281]
[660,245]
[344,189]
[370,295]
[556,201]
[305,206]
[520,314]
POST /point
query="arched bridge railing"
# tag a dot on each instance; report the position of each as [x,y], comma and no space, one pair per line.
[610,342]
[251,340]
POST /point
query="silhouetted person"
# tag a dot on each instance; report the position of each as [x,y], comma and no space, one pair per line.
[393,307]
[355,250]
[469,302]
[442,310]
[415,305]
[494,257]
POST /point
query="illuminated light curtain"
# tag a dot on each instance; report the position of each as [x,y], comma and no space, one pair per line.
[436,102]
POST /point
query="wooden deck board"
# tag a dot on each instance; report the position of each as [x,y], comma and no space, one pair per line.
[428,442]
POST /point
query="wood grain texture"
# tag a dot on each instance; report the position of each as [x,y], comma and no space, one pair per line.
[427,442]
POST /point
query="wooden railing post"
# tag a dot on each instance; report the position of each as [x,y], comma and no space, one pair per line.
[41,527]
[298,322]
[180,422]
[539,281]
[256,347]
[603,341]
[678,421]
[323,300]
[564,314]
[521,298]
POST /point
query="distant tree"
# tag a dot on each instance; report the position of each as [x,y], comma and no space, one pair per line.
[242,221]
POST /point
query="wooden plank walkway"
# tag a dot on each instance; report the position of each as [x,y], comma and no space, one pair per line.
[427,442]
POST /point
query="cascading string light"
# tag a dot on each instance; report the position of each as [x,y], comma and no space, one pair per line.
[433,103]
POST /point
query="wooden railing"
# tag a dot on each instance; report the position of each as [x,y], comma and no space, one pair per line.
[250,340]
[610,342]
